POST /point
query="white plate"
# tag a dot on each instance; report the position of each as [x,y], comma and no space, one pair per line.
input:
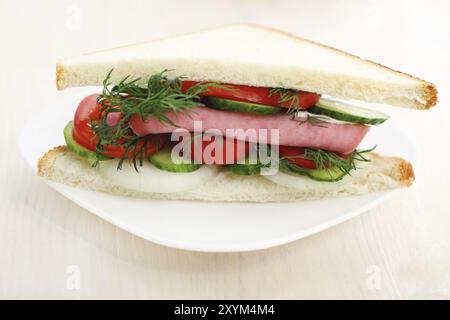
[202,226]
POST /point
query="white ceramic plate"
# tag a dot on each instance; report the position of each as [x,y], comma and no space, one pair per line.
[202,226]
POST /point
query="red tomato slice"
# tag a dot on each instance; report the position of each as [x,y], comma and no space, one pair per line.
[294,155]
[259,95]
[89,110]
[232,150]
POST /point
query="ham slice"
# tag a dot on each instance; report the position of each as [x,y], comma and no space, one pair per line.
[343,138]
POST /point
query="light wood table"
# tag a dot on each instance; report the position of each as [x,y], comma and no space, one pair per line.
[400,249]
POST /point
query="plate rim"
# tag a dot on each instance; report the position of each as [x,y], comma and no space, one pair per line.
[218,248]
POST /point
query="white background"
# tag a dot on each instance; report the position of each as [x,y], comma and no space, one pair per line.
[51,248]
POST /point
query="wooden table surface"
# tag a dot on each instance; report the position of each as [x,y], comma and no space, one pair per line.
[52,248]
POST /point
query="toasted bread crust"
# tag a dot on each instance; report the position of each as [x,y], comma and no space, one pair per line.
[430,95]
[406,173]
[46,161]
[59,76]
[399,169]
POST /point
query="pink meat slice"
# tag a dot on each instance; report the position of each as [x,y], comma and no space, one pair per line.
[343,138]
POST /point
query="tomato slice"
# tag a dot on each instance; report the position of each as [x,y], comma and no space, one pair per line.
[232,150]
[259,95]
[89,110]
[294,155]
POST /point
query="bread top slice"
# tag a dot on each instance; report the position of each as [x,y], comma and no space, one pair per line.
[256,56]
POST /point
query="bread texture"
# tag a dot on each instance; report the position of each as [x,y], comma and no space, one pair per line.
[382,173]
[256,56]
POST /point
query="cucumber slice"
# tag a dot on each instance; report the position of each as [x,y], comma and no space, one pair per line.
[330,174]
[347,112]
[326,175]
[77,148]
[245,169]
[240,106]
[163,160]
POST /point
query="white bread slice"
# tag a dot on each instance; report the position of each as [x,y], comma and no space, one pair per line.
[62,165]
[256,56]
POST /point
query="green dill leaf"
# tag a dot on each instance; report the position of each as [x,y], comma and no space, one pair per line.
[326,159]
[159,96]
[287,96]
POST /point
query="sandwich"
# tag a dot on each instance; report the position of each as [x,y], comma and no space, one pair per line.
[236,113]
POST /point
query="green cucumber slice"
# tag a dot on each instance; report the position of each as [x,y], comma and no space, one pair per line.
[329,175]
[347,112]
[240,106]
[77,148]
[163,160]
[332,174]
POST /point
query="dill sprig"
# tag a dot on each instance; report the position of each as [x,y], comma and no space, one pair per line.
[159,96]
[138,150]
[287,96]
[326,159]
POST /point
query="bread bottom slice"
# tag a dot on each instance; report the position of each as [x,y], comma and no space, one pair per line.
[382,173]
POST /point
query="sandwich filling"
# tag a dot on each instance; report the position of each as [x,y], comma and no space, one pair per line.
[178,125]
